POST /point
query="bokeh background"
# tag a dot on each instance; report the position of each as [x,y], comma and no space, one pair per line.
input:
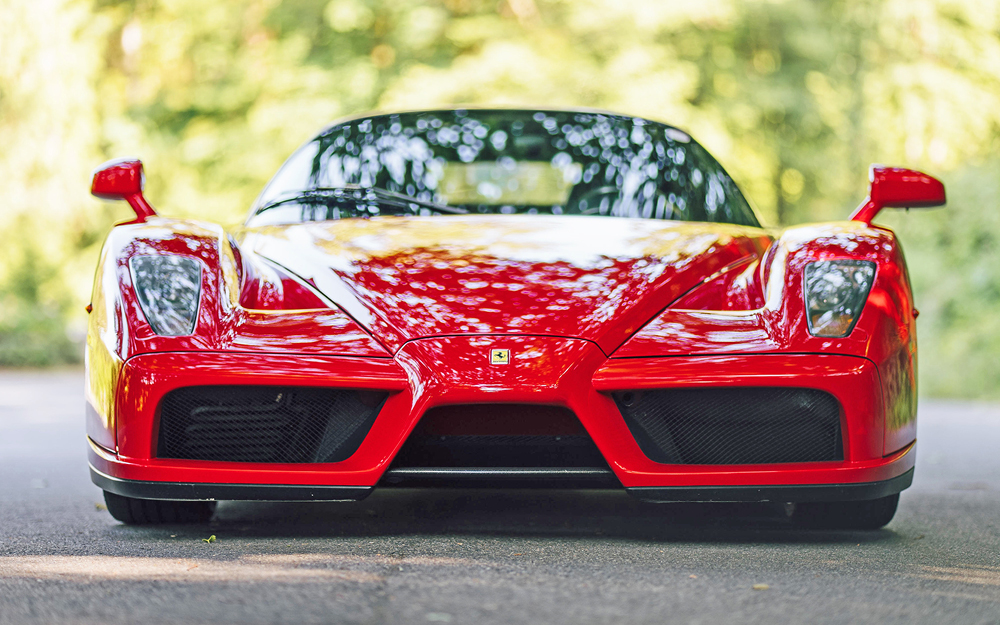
[796,98]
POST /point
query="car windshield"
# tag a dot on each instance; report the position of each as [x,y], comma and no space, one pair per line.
[501,162]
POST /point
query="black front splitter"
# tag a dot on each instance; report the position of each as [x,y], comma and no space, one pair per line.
[510,478]
[781,493]
[187,491]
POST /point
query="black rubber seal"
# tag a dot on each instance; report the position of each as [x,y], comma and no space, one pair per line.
[782,493]
[185,491]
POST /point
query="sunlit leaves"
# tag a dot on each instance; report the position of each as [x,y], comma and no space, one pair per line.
[795,98]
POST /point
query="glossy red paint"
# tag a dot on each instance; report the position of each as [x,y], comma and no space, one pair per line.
[893,187]
[570,373]
[586,306]
[885,333]
[736,287]
[692,326]
[266,287]
[145,379]
[123,179]
[223,324]
[584,277]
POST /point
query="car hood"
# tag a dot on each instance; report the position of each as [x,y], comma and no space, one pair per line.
[595,278]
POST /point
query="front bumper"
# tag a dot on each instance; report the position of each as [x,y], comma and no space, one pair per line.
[565,372]
[173,491]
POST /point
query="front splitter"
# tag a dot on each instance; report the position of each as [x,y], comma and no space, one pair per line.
[187,491]
[778,493]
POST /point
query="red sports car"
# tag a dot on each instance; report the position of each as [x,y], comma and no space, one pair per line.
[553,298]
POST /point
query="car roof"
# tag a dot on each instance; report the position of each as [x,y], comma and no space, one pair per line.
[490,109]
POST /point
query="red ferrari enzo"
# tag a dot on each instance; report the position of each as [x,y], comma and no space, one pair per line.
[552,298]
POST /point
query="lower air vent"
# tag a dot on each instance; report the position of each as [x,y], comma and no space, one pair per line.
[265,423]
[499,435]
[734,425]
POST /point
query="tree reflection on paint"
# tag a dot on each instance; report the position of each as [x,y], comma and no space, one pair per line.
[582,276]
[517,162]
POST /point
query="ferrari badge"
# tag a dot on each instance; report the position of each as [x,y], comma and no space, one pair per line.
[499,356]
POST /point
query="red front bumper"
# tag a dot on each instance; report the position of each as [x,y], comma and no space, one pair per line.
[544,370]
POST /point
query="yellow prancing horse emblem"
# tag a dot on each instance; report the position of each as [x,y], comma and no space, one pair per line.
[499,356]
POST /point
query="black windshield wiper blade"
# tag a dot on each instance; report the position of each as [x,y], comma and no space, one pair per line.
[344,192]
[386,194]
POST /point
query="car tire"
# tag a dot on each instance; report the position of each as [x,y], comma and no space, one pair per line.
[869,514]
[132,511]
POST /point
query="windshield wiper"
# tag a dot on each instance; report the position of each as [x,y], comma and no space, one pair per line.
[409,199]
[369,193]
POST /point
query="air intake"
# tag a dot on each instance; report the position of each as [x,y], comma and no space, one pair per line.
[265,423]
[499,435]
[734,425]
[514,445]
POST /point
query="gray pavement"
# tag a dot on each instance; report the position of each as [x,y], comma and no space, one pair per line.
[475,556]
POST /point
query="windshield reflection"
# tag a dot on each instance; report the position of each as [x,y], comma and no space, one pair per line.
[505,161]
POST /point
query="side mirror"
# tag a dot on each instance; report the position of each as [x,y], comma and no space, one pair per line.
[892,187]
[123,179]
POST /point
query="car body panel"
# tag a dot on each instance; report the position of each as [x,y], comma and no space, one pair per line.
[885,332]
[594,278]
[554,371]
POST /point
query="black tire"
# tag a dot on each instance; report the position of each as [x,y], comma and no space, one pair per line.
[869,514]
[131,511]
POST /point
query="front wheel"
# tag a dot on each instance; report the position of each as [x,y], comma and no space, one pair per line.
[869,514]
[132,511]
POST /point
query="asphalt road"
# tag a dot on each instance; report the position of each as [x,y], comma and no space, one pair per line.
[473,556]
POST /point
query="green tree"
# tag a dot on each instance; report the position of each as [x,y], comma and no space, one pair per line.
[796,98]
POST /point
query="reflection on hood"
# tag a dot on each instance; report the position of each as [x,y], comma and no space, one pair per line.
[583,277]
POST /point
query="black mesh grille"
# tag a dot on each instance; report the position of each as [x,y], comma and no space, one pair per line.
[265,423]
[500,451]
[734,425]
[499,435]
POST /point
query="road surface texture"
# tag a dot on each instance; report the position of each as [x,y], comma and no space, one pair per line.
[480,556]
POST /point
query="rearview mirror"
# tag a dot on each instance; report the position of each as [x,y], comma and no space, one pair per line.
[123,179]
[893,187]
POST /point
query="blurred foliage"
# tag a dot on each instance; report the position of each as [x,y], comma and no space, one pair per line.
[32,327]
[795,97]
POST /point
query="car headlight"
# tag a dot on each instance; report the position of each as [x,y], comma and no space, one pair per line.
[168,288]
[835,293]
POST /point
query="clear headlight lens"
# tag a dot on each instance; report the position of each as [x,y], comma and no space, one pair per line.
[835,293]
[168,288]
